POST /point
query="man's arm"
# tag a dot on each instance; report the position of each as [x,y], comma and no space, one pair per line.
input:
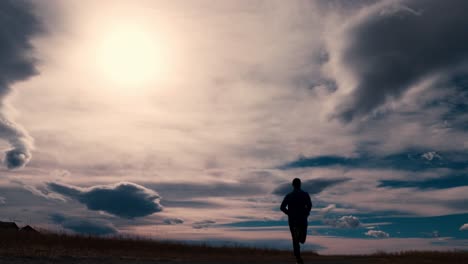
[309,204]
[284,204]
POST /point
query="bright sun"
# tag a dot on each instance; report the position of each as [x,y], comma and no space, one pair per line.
[130,56]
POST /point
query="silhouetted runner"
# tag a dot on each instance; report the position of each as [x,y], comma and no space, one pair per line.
[297,206]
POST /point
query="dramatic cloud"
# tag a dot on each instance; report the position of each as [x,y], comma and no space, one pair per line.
[2,200]
[391,46]
[464,227]
[173,221]
[18,24]
[84,226]
[327,209]
[398,167]
[313,186]
[407,160]
[377,234]
[203,224]
[347,221]
[125,199]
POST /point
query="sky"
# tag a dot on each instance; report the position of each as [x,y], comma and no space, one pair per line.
[188,120]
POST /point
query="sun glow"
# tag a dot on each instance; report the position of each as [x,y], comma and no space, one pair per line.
[130,56]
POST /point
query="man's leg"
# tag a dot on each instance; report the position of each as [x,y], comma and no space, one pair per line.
[303,232]
[295,239]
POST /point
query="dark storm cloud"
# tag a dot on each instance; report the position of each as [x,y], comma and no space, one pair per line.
[84,226]
[20,197]
[313,186]
[125,199]
[449,181]
[393,46]
[18,24]
[173,221]
[203,224]
[409,160]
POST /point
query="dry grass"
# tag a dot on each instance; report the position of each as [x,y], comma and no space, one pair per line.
[404,257]
[52,245]
[455,256]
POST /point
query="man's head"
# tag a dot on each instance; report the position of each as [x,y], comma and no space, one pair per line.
[296,183]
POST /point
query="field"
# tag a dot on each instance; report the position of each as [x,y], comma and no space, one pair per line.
[17,247]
